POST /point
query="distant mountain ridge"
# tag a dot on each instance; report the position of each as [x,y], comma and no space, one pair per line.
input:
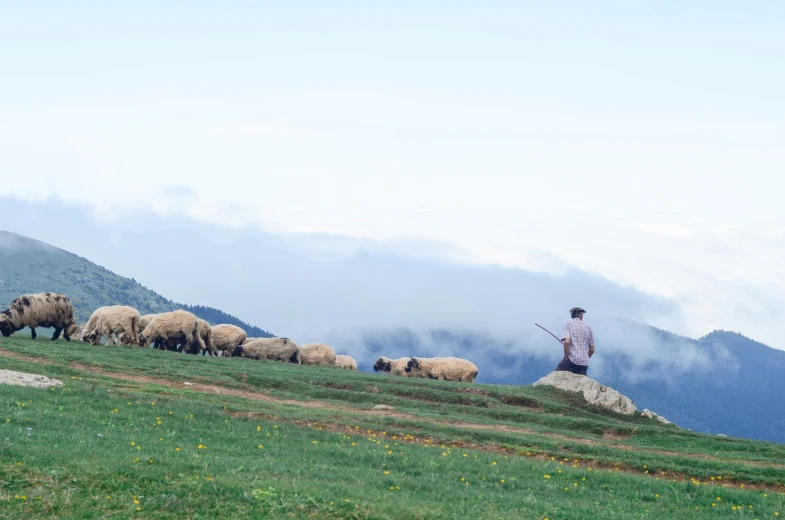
[737,393]
[31,266]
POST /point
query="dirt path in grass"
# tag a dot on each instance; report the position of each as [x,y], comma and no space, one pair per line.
[196,386]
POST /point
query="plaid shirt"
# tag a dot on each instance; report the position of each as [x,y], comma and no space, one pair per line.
[581,338]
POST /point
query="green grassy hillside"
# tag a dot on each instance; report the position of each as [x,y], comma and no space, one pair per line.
[141,433]
[30,266]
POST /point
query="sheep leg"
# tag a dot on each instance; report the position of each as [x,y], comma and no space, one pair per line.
[56,334]
[32,333]
[201,347]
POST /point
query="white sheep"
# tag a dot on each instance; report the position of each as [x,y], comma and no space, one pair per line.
[275,349]
[204,341]
[346,362]
[40,310]
[445,369]
[396,367]
[226,337]
[176,327]
[317,354]
[119,320]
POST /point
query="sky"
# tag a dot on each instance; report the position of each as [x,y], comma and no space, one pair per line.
[639,142]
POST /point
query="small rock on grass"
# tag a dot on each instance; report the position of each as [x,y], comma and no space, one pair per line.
[9,377]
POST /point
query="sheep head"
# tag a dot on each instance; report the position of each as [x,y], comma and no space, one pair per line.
[73,331]
[90,337]
[413,363]
[143,341]
[382,365]
[238,351]
[6,325]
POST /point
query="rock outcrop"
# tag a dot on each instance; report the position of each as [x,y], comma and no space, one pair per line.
[10,377]
[651,415]
[594,393]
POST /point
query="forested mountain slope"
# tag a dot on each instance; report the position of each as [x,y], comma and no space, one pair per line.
[30,266]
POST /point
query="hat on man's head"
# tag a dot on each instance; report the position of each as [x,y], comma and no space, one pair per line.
[576,311]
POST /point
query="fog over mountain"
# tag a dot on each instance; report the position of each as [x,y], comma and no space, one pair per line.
[339,290]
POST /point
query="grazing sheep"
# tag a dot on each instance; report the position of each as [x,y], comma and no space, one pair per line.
[445,369]
[346,362]
[119,320]
[396,367]
[40,310]
[317,354]
[176,327]
[204,341]
[275,349]
[226,337]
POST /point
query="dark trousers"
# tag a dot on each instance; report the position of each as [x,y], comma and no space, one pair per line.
[565,365]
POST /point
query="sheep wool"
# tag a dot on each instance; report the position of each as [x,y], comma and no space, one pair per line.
[445,369]
[274,349]
[145,320]
[206,335]
[317,354]
[346,362]
[40,310]
[396,367]
[226,337]
[115,320]
[180,327]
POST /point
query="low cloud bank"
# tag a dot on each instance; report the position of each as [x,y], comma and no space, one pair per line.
[368,297]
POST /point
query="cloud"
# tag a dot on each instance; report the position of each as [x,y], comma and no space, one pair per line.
[180,191]
[259,129]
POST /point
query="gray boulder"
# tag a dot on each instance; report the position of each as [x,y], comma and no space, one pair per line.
[651,415]
[10,377]
[594,393]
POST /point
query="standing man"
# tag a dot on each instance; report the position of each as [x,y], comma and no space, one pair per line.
[578,340]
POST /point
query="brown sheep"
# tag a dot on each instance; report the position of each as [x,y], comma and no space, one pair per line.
[346,362]
[113,320]
[396,367]
[276,349]
[226,337]
[180,327]
[317,354]
[445,369]
[40,310]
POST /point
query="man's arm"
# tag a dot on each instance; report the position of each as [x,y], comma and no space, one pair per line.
[567,348]
[591,344]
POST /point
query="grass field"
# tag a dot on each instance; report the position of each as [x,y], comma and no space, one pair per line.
[127,437]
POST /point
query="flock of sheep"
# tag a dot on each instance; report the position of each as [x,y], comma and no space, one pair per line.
[182,331]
